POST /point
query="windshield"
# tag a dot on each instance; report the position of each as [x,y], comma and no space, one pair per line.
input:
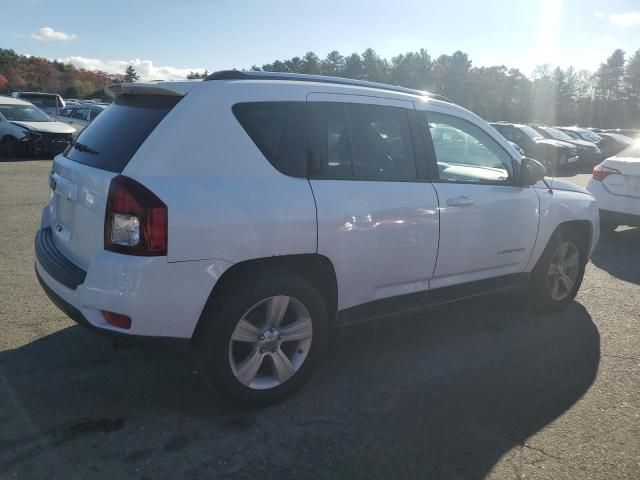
[557,134]
[530,132]
[589,136]
[24,113]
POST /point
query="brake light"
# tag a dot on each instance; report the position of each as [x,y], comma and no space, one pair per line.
[601,172]
[135,219]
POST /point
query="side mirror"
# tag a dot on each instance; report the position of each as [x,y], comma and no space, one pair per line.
[531,172]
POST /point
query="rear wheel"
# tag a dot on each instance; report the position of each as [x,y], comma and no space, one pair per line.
[262,343]
[558,275]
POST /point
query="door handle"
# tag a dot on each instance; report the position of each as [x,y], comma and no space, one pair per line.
[461,201]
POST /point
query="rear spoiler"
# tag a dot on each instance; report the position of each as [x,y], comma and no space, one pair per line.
[174,89]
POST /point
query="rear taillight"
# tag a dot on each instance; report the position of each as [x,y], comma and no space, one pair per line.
[135,219]
[601,172]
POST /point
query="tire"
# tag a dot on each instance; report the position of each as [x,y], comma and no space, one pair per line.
[223,361]
[544,277]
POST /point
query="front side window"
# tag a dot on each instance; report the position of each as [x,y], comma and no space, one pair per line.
[365,142]
[465,152]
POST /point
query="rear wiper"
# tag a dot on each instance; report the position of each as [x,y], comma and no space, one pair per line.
[83,148]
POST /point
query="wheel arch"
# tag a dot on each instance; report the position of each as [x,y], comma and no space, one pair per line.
[583,227]
[315,268]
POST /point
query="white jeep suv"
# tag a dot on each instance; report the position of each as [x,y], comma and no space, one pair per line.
[251,212]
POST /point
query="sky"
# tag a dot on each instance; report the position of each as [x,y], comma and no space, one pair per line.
[166,39]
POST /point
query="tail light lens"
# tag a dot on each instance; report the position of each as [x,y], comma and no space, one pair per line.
[601,172]
[135,219]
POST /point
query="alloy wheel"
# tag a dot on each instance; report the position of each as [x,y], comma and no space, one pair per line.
[563,270]
[270,342]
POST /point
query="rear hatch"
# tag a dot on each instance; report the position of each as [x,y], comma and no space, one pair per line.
[627,182]
[81,176]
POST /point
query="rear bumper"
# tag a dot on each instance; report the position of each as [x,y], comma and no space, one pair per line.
[74,314]
[162,299]
[617,218]
[614,206]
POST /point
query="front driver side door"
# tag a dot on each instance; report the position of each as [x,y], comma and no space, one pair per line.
[488,225]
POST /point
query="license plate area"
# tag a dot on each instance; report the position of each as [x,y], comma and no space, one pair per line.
[64,198]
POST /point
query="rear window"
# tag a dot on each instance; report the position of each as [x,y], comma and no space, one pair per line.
[279,130]
[117,133]
[41,100]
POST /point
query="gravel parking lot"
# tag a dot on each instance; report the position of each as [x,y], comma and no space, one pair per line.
[479,389]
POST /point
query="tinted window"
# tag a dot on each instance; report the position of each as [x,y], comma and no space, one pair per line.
[117,133]
[80,113]
[66,112]
[94,113]
[279,130]
[464,152]
[368,142]
[41,100]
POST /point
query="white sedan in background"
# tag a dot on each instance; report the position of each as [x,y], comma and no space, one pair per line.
[615,184]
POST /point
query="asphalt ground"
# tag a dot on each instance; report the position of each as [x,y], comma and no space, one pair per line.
[480,389]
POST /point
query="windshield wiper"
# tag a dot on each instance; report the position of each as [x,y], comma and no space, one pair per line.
[83,148]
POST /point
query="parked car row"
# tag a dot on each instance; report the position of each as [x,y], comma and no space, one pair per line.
[42,124]
[26,130]
[557,147]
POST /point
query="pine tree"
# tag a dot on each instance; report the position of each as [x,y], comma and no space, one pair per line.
[130,74]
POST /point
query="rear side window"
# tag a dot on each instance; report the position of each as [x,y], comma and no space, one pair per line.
[363,142]
[279,130]
[117,133]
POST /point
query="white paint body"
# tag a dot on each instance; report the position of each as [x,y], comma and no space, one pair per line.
[619,192]
[228,204]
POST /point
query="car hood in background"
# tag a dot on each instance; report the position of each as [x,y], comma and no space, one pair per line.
[555,143]
[46,127]
[582,143]
[560,185]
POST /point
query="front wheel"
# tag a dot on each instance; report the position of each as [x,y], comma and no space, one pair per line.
[557,277]
[262,343]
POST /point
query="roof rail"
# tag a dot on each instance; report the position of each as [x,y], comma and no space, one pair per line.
[300,77]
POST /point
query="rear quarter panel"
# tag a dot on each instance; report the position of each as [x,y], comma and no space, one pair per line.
[225,200]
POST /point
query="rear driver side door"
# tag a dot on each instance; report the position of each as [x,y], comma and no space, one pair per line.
[377,215]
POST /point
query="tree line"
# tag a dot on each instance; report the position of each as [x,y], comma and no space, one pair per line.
[607,98]
[29,73]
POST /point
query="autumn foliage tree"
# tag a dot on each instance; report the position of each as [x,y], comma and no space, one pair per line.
[21,72]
